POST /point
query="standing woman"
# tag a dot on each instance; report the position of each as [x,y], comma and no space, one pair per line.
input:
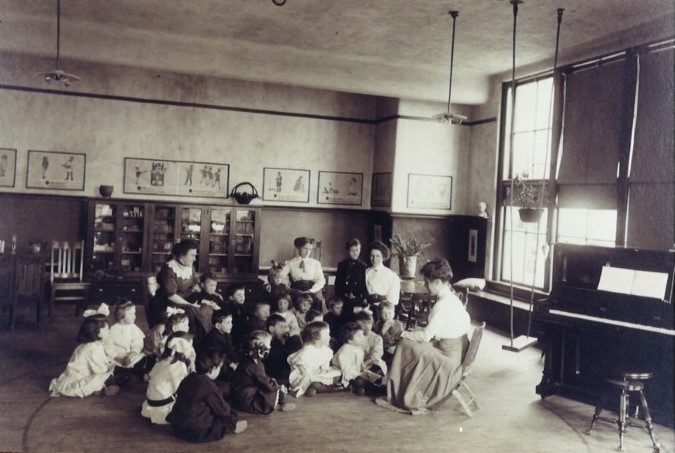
[427,364]
[350,280]
[177,280]
[305,274]
[381,282]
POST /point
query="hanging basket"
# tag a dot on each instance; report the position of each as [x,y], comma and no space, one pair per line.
[530,215]
[243,196]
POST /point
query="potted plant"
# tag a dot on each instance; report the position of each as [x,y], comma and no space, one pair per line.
[408,247]
[531,195]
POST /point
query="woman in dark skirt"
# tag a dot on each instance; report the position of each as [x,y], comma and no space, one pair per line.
[177,280]
[427,364]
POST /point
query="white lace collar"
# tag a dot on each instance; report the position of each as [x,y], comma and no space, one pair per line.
[180,270]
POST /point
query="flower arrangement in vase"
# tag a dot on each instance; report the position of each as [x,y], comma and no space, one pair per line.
[408,247]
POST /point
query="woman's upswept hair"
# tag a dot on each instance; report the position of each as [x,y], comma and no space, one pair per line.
[90,329]
[183,247]
[312,331]
[438,269]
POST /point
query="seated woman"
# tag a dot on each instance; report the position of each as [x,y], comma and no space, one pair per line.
[381,282]
[305,274]
[427,364]
[177,281]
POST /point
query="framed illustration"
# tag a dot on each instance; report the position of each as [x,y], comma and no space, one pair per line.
[55,170]
[7,167]
[429,191]
[286,184]
[340,188]
[176,177]
[380,194]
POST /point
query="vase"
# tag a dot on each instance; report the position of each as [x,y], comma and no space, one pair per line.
[105,191]
[530,215]
[407,266]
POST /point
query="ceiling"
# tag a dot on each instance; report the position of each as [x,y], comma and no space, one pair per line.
[397,48]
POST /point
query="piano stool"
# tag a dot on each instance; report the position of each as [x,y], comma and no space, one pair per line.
[631,384]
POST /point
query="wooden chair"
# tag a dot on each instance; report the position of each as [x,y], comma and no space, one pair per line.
[467,363]
[405,311]
[66,272]
[422,303]
[29,284]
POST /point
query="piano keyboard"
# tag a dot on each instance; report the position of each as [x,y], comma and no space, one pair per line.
[613,322]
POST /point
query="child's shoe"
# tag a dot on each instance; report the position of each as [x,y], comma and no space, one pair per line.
[240,426]
[285,407]
[111,390]
[310,392]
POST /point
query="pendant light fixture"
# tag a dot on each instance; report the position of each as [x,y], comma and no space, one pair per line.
[448,116]
[57,74]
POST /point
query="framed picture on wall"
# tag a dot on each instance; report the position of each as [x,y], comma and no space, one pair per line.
[380,194]
[340,188]
[56,170]
[286,184]
[176,177]
[7,167]
[429,191]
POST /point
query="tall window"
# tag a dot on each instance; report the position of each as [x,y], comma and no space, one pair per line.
[523,245]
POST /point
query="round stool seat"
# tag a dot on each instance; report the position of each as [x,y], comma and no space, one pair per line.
[638,375]
[631,386]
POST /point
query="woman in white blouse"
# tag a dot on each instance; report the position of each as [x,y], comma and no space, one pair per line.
[381,282]
[427,364]
[305,274]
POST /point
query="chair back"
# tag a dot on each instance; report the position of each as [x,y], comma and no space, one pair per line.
[423,303]
[472,350]
[67,260]
[29,273]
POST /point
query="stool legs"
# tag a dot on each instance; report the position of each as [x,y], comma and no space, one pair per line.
[596,416]
[621,421]
[648,419]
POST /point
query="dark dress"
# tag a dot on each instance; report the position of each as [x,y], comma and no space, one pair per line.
[276,363]
[203,314]
[170,284]
[251,389]
[239,321]
[221,342]
[350,285]
[200,414]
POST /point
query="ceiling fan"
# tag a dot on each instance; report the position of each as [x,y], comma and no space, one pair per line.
[449,116]
[57,74]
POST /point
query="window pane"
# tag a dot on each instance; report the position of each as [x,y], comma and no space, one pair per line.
[526,107]
[526,250]
[587,226]
[544,95]
[540,151]
[522,152]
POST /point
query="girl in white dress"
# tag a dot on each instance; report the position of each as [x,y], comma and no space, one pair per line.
[89,370]
[166,376]
[125,342]
[283,306]
[311,371]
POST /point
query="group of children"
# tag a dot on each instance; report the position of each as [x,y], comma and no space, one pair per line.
[265,351]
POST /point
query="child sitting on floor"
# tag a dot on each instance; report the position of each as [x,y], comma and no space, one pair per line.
[283,305]
[373,347]
[219,339]
[89,370]
[258,319]
[303,303]
[282,346]
[251,389]
[200,414]
[389,329]
[236,305]
[125,343]
[334,319]
[166,376]
[311,372]
[207,301]
[313,316]
[349,359]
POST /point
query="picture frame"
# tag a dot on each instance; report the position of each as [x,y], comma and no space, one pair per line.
[7,167]
[381,189]
[286,184]
[429,191]
[56,170]
[176,177]
[336,187]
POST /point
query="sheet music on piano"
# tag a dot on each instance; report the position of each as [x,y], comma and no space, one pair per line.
[633,282]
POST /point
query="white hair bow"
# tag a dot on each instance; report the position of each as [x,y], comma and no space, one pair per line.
[101,310]
[170,311]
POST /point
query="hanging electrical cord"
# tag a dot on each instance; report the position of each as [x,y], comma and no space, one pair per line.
[543,188]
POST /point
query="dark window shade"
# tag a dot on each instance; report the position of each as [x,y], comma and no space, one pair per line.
[653,151]
[651,216]
[591,134]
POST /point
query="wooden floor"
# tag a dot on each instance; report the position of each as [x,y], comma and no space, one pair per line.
[512,417]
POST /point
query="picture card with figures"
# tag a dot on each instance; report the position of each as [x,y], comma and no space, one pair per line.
[175,177]
[429,191]
[286,184]
[340,188]
[7,167]
[55,170]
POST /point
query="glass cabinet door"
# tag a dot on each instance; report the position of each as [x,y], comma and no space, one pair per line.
[219,240]
[131,231]
[163,236]
[105,237]
[244,242]
[191,225]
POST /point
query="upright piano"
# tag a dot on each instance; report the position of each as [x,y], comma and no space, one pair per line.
[589,334]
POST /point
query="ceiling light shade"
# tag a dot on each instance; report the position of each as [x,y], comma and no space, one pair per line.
[57,74]
[449,117]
